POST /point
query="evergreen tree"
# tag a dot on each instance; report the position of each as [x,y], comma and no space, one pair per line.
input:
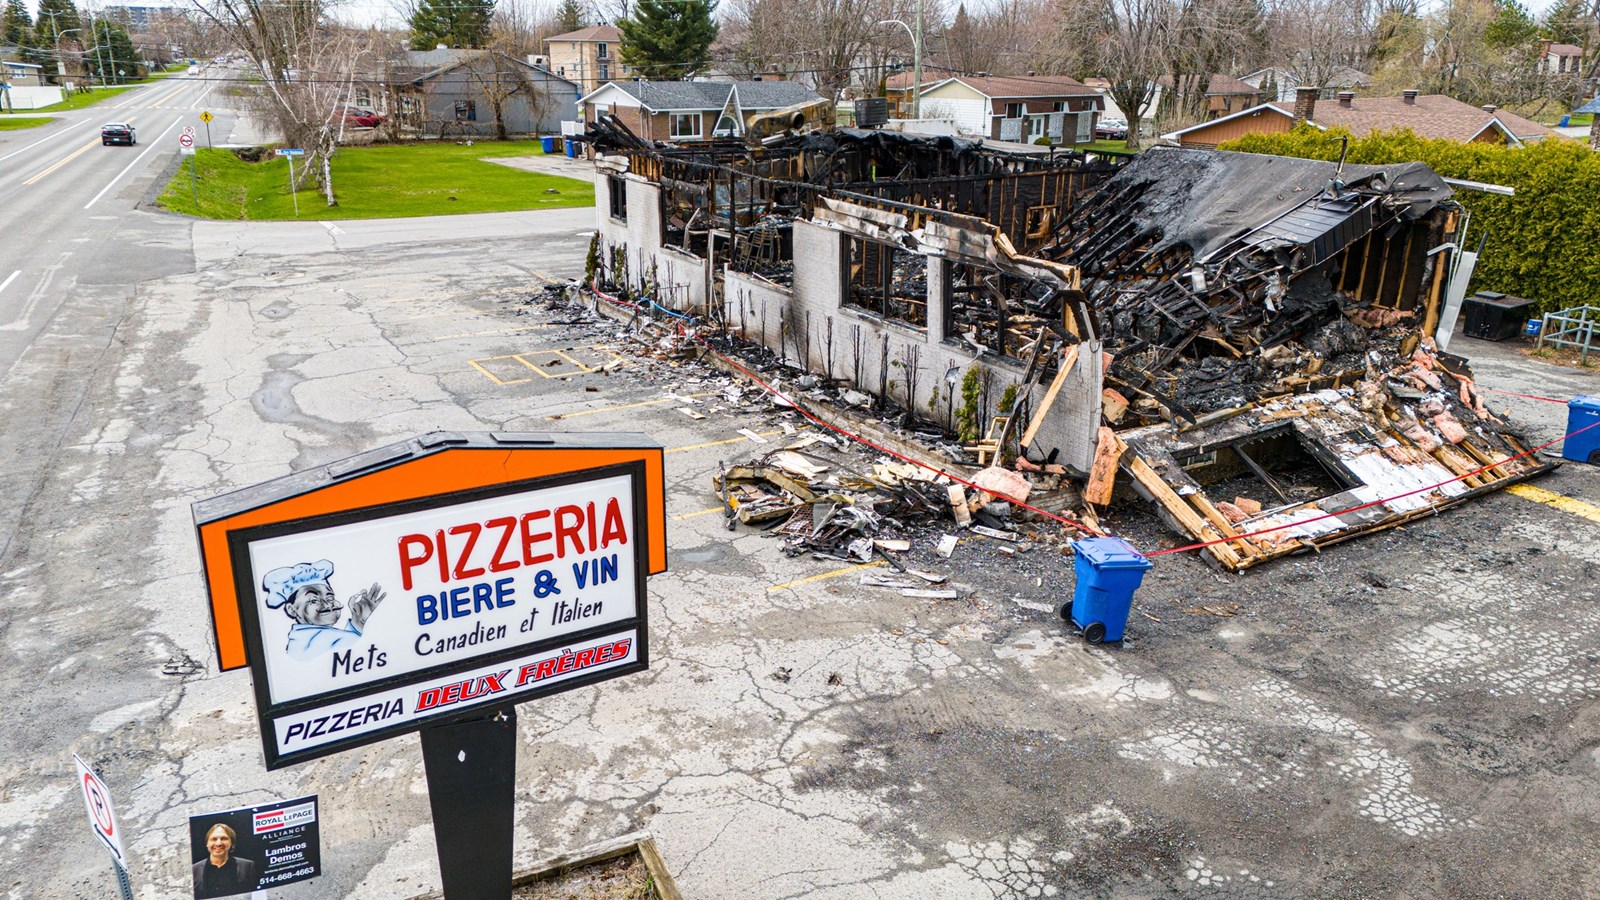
[114,60]
[668,38]
[56,17]
[569,16]
[1513,26]
[1566,21]
[16,26]
[453,23]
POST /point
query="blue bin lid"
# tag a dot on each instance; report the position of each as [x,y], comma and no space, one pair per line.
[1592,403]
[1110,553]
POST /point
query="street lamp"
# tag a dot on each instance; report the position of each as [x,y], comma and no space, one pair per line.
[59,61]
[916,60]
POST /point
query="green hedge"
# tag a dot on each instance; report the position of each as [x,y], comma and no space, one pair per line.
[1543,243]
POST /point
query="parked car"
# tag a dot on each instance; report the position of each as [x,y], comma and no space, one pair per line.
[361,117]
[1111,129]
[117,133]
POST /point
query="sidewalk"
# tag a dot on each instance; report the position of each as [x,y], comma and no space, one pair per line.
[579,168]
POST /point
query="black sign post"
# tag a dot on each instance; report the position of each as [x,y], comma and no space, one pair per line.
[472,770]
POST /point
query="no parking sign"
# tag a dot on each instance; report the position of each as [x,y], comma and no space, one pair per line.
[102,817]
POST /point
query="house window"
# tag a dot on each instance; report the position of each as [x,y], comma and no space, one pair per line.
[1013,110]
[602,53]
[1059,106]
[561,70]
[605,72]
[1036,127]
[466,111]
[685,125]
[993,311]
[618,190]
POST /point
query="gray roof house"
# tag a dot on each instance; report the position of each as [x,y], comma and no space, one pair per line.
[691,110]
[471,92]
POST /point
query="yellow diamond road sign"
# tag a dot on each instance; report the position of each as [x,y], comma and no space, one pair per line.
[205,117]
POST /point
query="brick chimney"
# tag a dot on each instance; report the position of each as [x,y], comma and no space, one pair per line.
[1409,96]
[1305,103]
[1346,98]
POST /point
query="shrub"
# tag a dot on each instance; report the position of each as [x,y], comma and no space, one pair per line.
[1540,242]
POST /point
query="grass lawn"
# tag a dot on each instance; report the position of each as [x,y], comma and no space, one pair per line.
[77,101]
[15,123]
[376,183]
[1581,120]
[1116,146]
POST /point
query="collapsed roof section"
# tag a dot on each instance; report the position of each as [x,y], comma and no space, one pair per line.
[1206,322]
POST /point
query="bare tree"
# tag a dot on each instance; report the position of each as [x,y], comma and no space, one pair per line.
[830,44]
[502,80]
[1129,43]
[307,67]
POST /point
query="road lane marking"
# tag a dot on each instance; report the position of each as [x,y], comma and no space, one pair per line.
[7,283]
[21,321]
[80,151]
[204,94]
[491,376]
[825,575]
[602,409]
[163,97]
[741,439]
[61,133]
[1558,501]
[153,144]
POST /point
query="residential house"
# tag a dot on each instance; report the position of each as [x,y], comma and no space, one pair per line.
[1428,115]
[1593,109]
[1111,110]
[897,88]
[1223,94]
[1277,85]
[682,111]
[20,74]
[1560,59]
[1016,107]
[477,92]
[588,57]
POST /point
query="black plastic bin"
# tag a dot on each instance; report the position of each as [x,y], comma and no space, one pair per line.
[1493,316]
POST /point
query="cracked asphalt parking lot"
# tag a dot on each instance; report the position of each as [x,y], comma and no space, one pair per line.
[1412,714]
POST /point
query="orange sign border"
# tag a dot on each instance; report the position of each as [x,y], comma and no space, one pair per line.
[458,462]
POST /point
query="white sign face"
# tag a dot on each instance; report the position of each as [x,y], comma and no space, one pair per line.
[347,605]
[102,817]
[458,691]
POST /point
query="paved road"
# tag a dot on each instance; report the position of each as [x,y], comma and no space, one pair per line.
[69,250]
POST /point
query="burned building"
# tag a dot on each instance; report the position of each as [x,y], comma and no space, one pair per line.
[1244,341]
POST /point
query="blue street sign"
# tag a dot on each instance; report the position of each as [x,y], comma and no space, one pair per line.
[291,151]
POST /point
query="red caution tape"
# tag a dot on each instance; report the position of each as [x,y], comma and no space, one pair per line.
[1524,396]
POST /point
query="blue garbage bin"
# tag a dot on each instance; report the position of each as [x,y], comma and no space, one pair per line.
[549,143]
[1565,121]
[1109,570]
[1581,413]
[572,149]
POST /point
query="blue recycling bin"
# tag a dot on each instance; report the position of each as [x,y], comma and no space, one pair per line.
[572,149]
[549,143]
[1109,570]
[1583,412]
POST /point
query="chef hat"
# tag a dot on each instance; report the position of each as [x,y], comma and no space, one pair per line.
[281,583]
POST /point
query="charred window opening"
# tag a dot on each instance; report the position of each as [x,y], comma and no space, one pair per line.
[617,191]
[996,312]
[765,249]
[685,224]
[1274,468]
[888,281]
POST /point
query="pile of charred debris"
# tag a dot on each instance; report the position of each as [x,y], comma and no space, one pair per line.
[1263,329]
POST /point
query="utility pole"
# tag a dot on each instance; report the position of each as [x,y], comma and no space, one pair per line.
[916,68]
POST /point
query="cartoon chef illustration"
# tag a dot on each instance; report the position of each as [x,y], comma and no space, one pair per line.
[302,590]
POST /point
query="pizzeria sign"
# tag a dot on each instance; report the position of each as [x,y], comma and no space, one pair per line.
[427,580]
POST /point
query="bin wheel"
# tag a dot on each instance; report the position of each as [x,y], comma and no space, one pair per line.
[1594,458]
[1065,611]
[1095,632]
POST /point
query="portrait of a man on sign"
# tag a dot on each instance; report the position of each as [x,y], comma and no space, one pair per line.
[304,593]
[221,872]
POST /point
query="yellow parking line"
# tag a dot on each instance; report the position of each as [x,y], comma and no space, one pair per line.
[602,409]
[81,151]
[740,439]
[703,512]
[825,575]
[490,375]
[1559,501]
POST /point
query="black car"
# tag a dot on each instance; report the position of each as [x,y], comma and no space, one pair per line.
[117,133]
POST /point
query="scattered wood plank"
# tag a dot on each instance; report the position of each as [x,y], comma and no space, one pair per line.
[1180,510]
[1103,472]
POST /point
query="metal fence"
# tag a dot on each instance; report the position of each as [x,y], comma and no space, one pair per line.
[1572,328]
